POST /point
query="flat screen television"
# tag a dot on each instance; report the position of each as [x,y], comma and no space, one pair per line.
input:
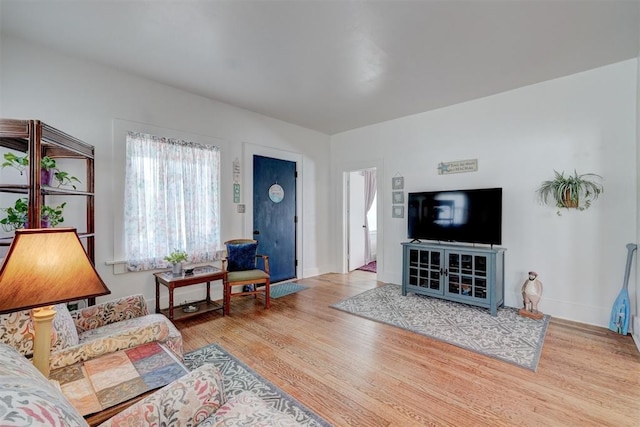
[470,216]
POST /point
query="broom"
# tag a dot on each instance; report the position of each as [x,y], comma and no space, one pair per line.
[619,321]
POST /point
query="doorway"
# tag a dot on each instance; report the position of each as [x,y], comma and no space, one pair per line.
[248,152]
[362,221]
[274,214]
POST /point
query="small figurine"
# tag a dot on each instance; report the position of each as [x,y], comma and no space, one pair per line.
[531,294]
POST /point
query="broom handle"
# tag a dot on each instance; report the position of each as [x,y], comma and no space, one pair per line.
[631,247]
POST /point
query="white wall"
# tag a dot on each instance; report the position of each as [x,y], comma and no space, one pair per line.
[83,99]
[585,122]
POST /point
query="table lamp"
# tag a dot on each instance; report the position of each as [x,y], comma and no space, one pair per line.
[46,266]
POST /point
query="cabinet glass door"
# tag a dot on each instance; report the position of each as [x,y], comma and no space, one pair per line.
[467,275]
[454,281]
[424,268]
[480,279]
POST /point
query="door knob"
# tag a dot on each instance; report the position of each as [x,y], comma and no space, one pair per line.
[256,232]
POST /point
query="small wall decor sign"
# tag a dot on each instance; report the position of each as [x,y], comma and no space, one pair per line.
[236,181]
[236,192]
[397,182]
[398,197]
[458,166]
[397,212]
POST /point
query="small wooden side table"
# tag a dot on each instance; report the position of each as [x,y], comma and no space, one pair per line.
[204,274]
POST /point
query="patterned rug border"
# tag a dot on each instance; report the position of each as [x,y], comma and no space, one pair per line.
[273,395]
[537,352]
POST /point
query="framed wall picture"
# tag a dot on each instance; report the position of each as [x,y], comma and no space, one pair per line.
[397,212]
[398,197]
[397,182]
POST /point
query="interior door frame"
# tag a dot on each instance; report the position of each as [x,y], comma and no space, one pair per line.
[357,247]
[249,150]
[343,205]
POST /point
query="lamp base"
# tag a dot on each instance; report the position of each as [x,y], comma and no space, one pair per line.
[42,317]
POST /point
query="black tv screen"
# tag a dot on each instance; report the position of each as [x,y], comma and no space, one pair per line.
[471,216]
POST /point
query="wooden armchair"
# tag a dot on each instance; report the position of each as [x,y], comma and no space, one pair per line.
[242,270]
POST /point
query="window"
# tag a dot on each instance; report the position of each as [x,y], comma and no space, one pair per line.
[172,200]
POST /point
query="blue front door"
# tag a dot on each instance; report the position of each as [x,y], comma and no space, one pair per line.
[274,214]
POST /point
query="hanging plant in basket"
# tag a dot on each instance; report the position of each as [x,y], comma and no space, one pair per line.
[572,191]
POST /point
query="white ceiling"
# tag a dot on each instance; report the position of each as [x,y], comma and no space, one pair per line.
[336,65]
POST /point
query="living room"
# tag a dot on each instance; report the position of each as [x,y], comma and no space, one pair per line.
[585,121]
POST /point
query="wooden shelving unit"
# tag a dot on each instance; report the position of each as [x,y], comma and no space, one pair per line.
[38,140]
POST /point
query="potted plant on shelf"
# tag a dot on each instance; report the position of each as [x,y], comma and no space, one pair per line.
[16,215]
[64,179]
[48,170]
[572,191]
[16,162]
[176,258]
[51,216]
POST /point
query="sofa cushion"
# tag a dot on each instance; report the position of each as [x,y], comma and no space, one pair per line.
[185,402]
[27,398]
[120,309]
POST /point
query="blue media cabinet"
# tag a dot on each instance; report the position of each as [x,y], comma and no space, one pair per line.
[467,274]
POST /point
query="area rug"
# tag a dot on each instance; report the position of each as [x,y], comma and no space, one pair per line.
[372,267]
[507,336]
[282,289]
[238,377]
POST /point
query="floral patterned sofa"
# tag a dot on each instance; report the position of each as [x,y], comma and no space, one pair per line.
[90,332]
[27,398]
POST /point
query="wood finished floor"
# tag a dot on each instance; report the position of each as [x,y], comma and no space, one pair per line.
[353,371]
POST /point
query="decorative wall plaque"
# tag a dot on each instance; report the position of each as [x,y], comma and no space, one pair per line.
[276,193]
[458,166]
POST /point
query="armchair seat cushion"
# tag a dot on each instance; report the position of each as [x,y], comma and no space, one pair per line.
[247,275]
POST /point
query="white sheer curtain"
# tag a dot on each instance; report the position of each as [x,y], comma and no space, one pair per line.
[369,196]
[172,200]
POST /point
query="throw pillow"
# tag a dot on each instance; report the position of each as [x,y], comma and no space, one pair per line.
[17,330]
[241,256]
[64,333]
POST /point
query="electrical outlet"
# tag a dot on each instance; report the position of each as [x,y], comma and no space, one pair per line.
[241,208]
